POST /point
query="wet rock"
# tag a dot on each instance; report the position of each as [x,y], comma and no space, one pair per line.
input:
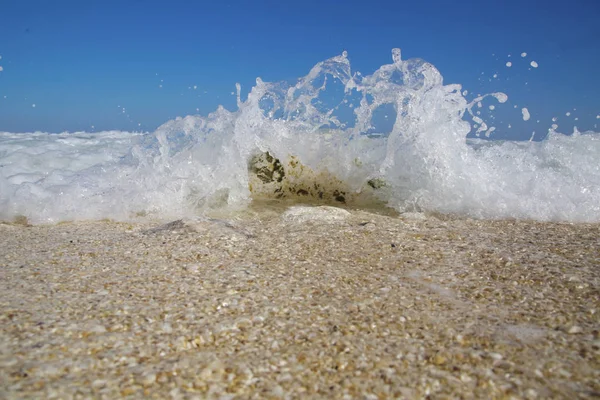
[300,214]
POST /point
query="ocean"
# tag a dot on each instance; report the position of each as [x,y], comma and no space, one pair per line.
[395,139]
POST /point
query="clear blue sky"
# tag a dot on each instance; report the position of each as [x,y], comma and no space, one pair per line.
[78,61]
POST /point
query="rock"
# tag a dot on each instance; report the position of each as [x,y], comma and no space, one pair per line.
[148,379]
[98,329]
[574,330]
[301,214]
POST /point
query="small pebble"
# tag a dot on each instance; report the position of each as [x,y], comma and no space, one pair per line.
[98,329]
[148,379]
[575,330]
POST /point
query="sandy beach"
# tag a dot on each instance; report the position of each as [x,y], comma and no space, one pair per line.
[307,303]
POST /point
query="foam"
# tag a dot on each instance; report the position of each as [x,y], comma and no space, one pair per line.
[396,137]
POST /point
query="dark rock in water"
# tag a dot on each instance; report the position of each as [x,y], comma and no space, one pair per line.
[339,196]
[269,177]
[376,183]
[266,168]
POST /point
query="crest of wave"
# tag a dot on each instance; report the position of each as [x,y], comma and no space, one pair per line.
[330,121]
[398,135]
[327,121]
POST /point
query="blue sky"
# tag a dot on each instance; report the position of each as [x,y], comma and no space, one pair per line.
[82,62]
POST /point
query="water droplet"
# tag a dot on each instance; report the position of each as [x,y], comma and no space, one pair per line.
[397,55]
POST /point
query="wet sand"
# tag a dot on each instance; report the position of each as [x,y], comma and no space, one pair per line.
[315,303]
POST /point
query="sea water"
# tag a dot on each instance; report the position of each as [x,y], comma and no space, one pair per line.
[396,138]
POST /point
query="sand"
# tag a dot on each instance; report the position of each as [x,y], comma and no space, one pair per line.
[314,303]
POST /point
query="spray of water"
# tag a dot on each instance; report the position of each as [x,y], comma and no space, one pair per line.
[396,137]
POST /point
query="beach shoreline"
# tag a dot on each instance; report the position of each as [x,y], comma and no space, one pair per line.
[314,302]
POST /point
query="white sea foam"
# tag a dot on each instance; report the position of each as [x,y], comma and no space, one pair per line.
[399,134]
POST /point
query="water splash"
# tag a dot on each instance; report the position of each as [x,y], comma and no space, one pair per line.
[396,137]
